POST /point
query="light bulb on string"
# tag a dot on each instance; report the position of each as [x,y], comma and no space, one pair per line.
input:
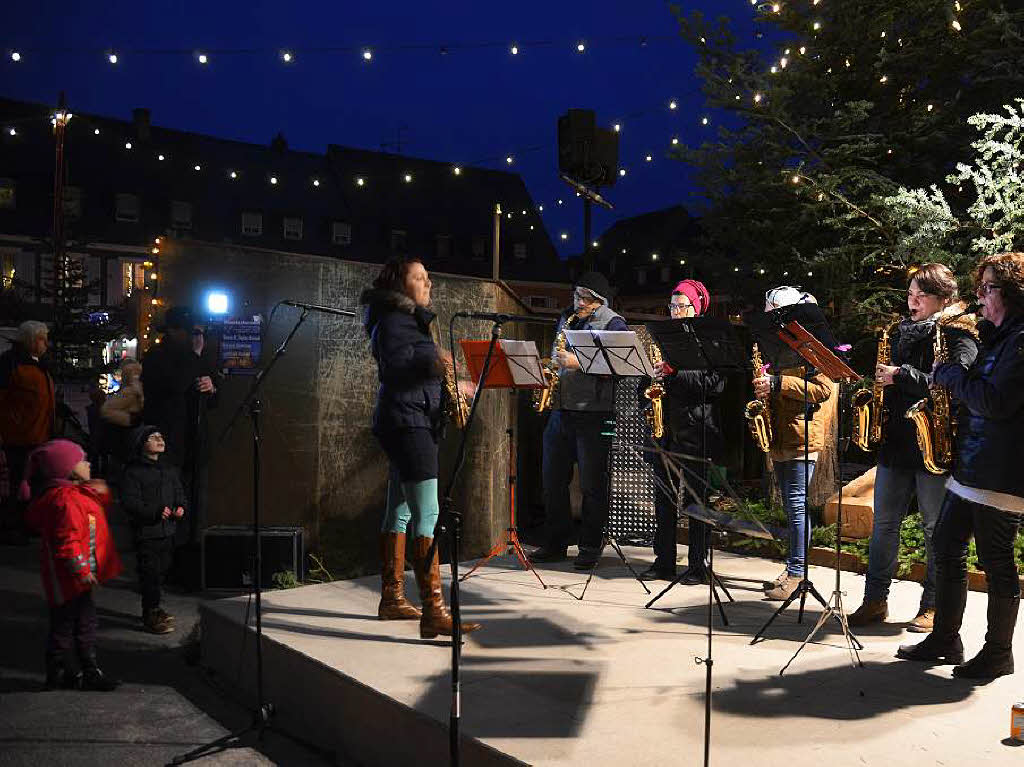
[617,127]
[675,141]
[540,208]
[622,171]
[316,182]
[648,158]
[160,157]
[233,174]
[580,47]
[127,144]
[509,160]
[704,121]
[456,170]
[956,25]
[672,104]
[408,178]
[816,26]
[202,58]
[514,50]
[559,202]
[197,168]
[287,57]
[564,236]
[96,131]
[12,131]
[367,54]
[360,181]
[15,56]
[112,57]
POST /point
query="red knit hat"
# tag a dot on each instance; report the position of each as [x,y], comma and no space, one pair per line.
[48,463]
[697,293]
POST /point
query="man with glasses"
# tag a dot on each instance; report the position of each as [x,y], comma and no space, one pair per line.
[691,428]
[573,436]
[933,303]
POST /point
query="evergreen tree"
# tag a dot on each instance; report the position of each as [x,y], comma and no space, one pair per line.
[861,98]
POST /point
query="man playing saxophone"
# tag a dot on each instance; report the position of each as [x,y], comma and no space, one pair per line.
[573,436]
[691,426]
[901,474]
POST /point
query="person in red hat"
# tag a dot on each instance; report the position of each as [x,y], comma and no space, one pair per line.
[691,427]
[68,508]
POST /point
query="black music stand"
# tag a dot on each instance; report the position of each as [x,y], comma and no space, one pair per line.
[701,344]
[617,354]
[799,336]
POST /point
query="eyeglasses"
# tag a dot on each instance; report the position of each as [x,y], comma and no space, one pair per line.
[985,288]
[918,294]
[687,305]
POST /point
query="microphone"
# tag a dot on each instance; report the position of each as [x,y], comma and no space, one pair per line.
[501,319]
[319,308]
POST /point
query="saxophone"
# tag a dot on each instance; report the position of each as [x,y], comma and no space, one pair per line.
[757,412]
[542,398]
[935,425]
[455,407]
[654,392]
[869,419]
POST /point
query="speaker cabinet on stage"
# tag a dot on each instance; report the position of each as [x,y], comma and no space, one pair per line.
[228,557]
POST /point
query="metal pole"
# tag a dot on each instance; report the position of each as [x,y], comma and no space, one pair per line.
[588,252]
[60,271]
[496,251]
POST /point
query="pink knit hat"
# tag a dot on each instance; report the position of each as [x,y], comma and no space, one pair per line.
[48,464]
[696,292]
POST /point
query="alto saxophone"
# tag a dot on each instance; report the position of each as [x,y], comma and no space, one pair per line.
[542,398]
[869,418]
[935,424]
[654,392]
[757,412]
[455,407]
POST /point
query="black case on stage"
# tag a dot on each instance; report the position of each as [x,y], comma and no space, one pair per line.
[228,556]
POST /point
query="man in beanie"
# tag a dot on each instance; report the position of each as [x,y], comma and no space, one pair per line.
[582,405]
[77,553]
[154,500]
[179,387]
[691,427]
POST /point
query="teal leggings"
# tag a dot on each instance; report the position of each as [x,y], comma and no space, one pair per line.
[412,507]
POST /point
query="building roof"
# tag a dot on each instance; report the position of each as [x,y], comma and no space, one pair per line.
[321,189]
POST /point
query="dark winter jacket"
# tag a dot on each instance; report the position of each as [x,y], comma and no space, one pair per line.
[408,367]
[578,390]
[148,487]
[172,402]
[991,414]
[690,406]
[913,353]
[26,399]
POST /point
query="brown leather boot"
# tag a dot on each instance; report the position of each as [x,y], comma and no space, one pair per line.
[436,618]
[393,604]
[870,611]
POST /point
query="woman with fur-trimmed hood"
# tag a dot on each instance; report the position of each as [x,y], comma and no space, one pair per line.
[407,420]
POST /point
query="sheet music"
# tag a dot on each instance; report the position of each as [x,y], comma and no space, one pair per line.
[523,362]
[610,352]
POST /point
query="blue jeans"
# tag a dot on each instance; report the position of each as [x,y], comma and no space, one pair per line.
[573,437]
[893,491]
[793,481]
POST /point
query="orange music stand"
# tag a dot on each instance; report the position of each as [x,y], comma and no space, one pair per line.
[514,365]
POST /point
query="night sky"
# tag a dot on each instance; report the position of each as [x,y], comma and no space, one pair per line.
[474,105]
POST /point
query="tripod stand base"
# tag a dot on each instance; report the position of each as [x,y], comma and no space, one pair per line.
[511,547]
[618,550]
[716,584]
[260,724]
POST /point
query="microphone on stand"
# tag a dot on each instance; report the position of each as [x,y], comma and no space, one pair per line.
[503,318]
[319,308]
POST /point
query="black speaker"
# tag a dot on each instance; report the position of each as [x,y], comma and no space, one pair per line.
[605,158]
[575,137]
[228,557]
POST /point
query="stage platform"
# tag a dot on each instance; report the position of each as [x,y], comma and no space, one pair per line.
[551,680]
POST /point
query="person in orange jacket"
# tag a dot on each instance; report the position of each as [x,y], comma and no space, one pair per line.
[68,508]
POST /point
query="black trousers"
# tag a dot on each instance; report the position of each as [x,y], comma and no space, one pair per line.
[153,557]
[666,517]
[73,624]
[994,532]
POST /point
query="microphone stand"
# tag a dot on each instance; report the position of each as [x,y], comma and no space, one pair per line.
[450,519]
[253,405]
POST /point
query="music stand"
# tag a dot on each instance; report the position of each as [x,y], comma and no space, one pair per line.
[617,354]
[789,342]
[700,344]
[514,365]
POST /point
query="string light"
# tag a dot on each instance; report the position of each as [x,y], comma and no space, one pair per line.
[197,168]
[580,47]
[816,26]
[360,181]
[232,174]
[672,104]
[160,157]
[648,158]
[564,236]
[15,56]
[127,144]
[514,50]
[508,160]
[540,208]
[286,57]
[12,131]
[96,132]
[883,79]
[456,170]
[559,202]
[202,58]
[316,182]
[622,171]
[408,178]
[367,54]
[956,25]
[757,98]
[703,121]
[654,256]
[112,57]
[617,127]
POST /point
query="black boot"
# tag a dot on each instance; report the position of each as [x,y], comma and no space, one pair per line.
[996,657]
[54,671]
[93,678]
[943,646]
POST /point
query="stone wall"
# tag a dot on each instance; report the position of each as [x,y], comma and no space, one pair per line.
[322,468]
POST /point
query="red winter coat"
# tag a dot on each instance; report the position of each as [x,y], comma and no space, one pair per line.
[75,540]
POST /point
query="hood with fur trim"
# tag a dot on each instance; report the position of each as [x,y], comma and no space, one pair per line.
[377,302]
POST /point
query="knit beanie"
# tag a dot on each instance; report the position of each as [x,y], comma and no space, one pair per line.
[597,284]
[139,436]
[696,292]
[49,464]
